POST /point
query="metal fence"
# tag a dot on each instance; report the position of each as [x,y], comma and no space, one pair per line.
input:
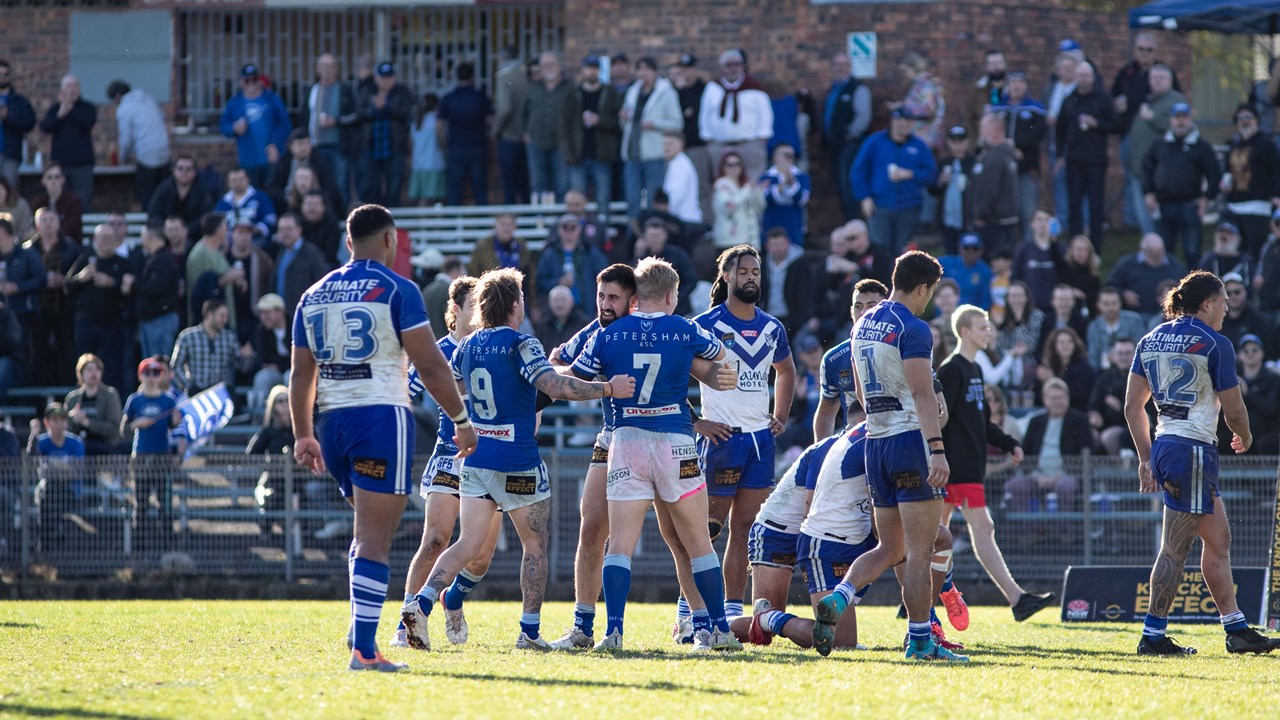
[257,516]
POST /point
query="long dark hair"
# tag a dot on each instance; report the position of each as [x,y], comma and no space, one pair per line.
[726,263]
[1050,350]
[1191,293]
[1009,322]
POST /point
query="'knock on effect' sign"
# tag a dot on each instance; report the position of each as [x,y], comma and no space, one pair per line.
[1123,594]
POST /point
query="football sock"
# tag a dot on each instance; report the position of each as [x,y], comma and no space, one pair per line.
[617,583]
[921,633]
[584,618]
[530,623]
[368,591]
[458,591]
[1154,627]
[948,583]
[701,620]
[682,609]
[732,608]
[710,582]
[846,593]
[933,616]
[1234,622]
[427,598]
[408,598]
[775,620]
[857,597]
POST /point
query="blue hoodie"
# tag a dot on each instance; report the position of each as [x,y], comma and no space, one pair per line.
[870,172]
[268,125]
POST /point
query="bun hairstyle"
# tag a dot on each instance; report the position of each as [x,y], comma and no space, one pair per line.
[1191,293]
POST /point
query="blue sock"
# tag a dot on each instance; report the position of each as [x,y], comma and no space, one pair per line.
[368,591]
[617,584]
[710,582]
[701,620]
[933,616]
[458,591]
[732,608]
[682,609]
[948,584]
[846,594]
[857,597]
[1154,627]
[530,623]
[584,618]
[1234,622]
[427,598]
[921,633]
[775,620]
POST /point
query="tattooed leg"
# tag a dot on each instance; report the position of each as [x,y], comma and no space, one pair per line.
[475,516]
[1180,530]
[1215,559]
[531,524]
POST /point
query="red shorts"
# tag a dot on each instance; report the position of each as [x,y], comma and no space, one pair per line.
[973,495]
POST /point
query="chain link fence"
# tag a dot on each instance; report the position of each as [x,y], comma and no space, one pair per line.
[237,515]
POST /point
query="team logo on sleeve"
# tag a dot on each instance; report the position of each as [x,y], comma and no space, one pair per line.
[531,351]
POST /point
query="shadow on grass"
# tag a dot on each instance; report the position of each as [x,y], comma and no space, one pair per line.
[19,625]
[564,682]
[20,710]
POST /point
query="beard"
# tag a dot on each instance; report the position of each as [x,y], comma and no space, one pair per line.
[605,316]
[996,77]
[747,293]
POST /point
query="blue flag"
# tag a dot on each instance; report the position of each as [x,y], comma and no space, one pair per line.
[203,415]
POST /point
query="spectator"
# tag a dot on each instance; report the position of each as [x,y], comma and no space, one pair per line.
[946,298]
[565,319]
[427,168]
[1078,269]
[1062,83]
[997,461]
[650,108]
[786,195]
[1260,387]
[1106,401]
[258,121]
[511,86]
[64,201]
[179,243]
[993,191]
[53,320]
[70,122]
[595,228]
[1137,275]
[502,249]
[142,135]
[208,272]
[1063,356]
[466,113]
[567,262]
[1174,170]
[806,397]
[600,134]
[891,169]
[207,354]
[846,118]
[22,275]
[1132,86]
[1001,271]
[1252,179]
[275,437]
[271,345]
[1243,318]
[61,472]
[872,258]
[93,409]
[155,293]
[988,92]
[182,195]
[331,120]
[1226,256]
[15,209]
[970,272]
[299,264]
[1269,268]
[98,284]
[258,279]
[436,294]
[1087,117]
[680,180]
[689,87]
[654,243]
[17,118]
[303,181]
[1018,334]
[736,114]
[285,187]
[1112,323]
[552,123]
[738,204]
[1027,127]
[149,415]
[245,202]
[1036,263]
[320,227]
[1265,96]
[1147,127]
[1059,433]
[923,102]
[385,111]
[787,283]
[620,75]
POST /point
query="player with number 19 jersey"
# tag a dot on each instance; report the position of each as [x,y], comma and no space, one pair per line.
[502,363]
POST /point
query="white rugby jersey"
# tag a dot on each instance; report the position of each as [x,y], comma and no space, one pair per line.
[841,506]
[1187,364]
[883,338]
[784,508]
[754,346]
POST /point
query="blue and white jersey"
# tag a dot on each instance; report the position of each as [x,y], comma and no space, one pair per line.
[784,508]
[841,506]
[1187,364]
[570,351]
[884,337]
[754,346]
[656,349]
[351,321]
[837,376]
[498,367]
[444,435]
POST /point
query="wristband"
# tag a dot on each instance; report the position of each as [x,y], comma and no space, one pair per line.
[461,417]
[462,425]
[934,440]
[938,451]
[608,391]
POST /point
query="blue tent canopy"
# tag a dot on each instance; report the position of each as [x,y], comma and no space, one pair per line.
[1226,16]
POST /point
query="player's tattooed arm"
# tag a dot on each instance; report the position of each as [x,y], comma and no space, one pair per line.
[571,388]
[1180,531]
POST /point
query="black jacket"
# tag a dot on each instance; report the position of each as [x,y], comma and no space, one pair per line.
[19,121]
[325,174]
[969,428]
[24,268]
[1112,382]
[1076,433]
[1254,165]
[1174,168]
[348,115]
[99,305]
[306,269]
[993,186]
[156,290]
[324,235]
[166,201]
[399,109]
[264,343]
[1132,82]
[72,135]
[1028,127]
[842,116]
[799,289]
[1086,146]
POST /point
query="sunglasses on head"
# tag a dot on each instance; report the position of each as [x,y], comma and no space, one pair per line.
[153,372]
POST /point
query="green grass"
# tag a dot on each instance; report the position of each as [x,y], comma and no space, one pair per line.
[194,659]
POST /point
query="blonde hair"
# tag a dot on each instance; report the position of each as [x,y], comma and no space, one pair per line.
[655,278]
[268,416]
[960,317]
[89,359]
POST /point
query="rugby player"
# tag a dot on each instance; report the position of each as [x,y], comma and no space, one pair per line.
[351,332]
[503,370]
[906,462]
[652,454]
[838,394]
[1190,371]
[737,429]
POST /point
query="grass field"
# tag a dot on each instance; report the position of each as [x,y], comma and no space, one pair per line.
[194,659]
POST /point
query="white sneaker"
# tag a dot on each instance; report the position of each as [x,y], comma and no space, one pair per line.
[333,529]
[415,625]
[400,639]
[612,641]
[702,641]
[724,641]
[455,626]
[682,633]
[573,639]
[524,642]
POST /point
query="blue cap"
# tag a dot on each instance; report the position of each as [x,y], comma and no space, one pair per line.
[1248,338]
[808,343]
[970,240]
[249,71]
[1067,45]
[386,69]
[1229,227]
[1180,109]
[591,60]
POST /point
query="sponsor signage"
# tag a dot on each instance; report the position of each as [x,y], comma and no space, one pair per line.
[1123,593]
[1273,599]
